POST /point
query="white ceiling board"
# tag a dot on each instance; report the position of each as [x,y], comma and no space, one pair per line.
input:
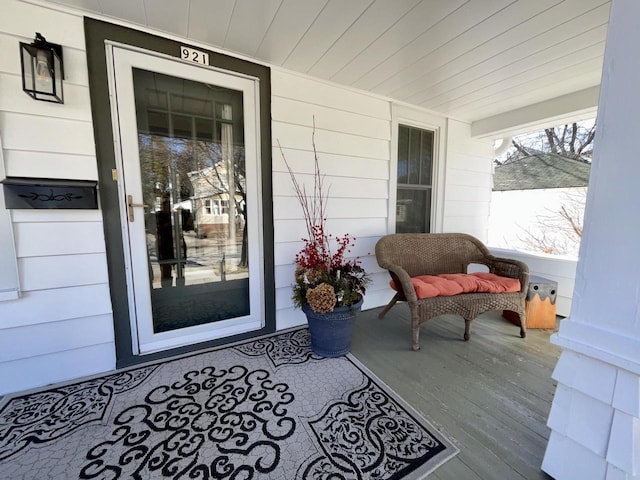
[131,10]
[373,22]
[474,46]
[293,19]
[516,43]
[326,29]
[417,21]
[90,5]
[469,59]
[398,69]
[249,22]
[163,15]
[538,65]
[471,67]
[521,95]
[209,24]
[479,105]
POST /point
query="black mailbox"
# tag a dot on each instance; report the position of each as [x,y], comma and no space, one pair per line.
[47,193]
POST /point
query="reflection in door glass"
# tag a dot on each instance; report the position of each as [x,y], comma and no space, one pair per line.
[192,162]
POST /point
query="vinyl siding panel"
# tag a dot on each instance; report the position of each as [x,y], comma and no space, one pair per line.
[352,139]
[53,305]
[49,165]
[61,327]
[314,92]
[467,189]
[55,135]
[87,237]
[9,284]
[57,367]
[53,337]
[76,100]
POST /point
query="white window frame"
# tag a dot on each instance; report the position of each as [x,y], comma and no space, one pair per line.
[9,283]
[413,117]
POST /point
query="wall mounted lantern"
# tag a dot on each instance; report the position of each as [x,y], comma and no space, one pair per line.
[42,70]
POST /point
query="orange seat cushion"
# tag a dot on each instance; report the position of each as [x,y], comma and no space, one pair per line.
[429,286]
[491,283]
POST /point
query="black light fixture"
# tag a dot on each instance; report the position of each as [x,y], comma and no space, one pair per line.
[42,70]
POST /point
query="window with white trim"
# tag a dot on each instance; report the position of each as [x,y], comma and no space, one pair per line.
[414,179]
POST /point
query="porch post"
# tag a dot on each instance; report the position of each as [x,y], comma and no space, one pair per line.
[595,415]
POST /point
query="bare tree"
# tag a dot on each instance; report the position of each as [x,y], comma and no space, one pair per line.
[558,231]
[573,141]
[208,165]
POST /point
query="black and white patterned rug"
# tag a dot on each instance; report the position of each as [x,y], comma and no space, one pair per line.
[264,409]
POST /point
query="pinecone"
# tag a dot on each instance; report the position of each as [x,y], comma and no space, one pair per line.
[321,299]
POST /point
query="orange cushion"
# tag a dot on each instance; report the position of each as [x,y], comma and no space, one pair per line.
[448,284]
[491,283]
[469,283]
[444,286]
[423,290]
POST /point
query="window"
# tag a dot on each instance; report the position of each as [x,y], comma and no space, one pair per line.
[207,207]
[415,179]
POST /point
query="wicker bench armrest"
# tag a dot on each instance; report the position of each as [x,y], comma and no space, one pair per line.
[405,286]
[507,267]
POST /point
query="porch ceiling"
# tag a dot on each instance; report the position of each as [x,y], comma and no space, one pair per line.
[468,59]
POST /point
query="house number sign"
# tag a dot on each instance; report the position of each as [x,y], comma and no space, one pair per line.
[195,56]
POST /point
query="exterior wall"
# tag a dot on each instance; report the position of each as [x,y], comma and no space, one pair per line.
[595,416]
[467,182]
[353,144]
[9,285]
[62,326]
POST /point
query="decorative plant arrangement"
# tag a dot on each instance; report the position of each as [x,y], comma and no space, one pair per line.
[323,279]
[328,286]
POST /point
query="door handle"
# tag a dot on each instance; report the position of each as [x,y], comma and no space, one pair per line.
[131,206]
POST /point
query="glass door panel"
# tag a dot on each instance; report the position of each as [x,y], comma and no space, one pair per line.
[189,157]
[192,167]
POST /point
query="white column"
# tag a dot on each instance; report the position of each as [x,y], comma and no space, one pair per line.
[595,416]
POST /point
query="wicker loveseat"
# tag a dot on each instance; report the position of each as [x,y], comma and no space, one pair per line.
[407,255]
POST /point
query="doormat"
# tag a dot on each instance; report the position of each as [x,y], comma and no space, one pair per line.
[262,409]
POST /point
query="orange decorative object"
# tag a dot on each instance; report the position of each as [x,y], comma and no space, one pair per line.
[540,305]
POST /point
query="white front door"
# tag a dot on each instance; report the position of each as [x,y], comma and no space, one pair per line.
[188,173]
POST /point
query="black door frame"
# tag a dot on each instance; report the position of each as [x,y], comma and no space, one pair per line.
[96,33]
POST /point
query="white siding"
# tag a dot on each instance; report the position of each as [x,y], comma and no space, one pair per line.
[9,287]
[352,137]
[467,188]
[61,327]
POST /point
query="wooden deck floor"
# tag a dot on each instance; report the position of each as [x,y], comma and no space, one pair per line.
[491,396]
